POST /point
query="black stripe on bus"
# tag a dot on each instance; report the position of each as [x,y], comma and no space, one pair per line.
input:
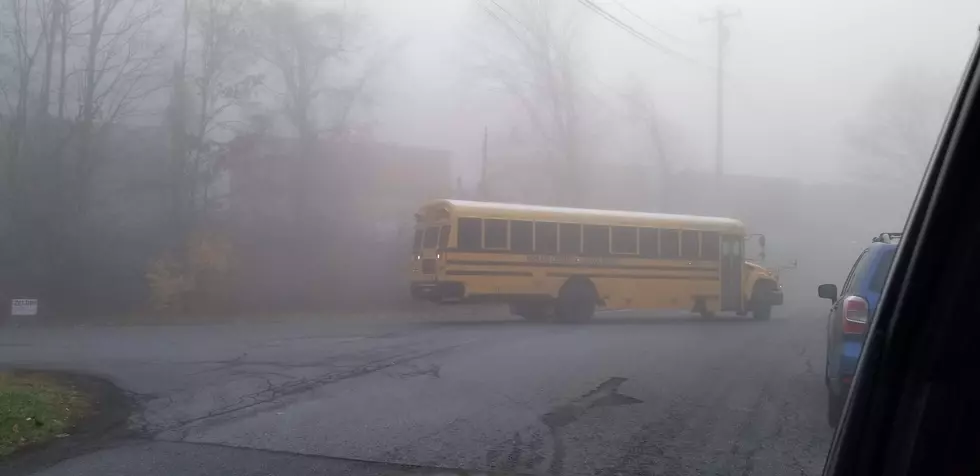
[508,251]
[454,272]
[632,276]
[580,265]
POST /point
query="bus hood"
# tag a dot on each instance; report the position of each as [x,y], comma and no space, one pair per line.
[761,269]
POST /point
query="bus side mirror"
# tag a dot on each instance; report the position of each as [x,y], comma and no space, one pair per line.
[827,291]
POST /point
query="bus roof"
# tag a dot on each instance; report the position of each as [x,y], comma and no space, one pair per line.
[513,211]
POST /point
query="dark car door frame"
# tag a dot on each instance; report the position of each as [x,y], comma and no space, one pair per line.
[909,411]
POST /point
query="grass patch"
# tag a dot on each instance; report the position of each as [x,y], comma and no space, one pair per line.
[35,408]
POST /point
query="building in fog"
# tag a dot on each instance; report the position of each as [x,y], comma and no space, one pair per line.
[368,184]
[353,241]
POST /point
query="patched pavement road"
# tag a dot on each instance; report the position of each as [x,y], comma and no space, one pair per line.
[624,394]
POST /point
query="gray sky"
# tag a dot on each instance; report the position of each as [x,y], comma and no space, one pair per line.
[798,72]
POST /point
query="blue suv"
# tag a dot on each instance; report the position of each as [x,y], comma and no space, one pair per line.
[847,322]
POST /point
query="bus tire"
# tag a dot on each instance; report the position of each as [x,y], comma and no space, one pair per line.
[532,311]
[576,300]
[761,308]
[701,308]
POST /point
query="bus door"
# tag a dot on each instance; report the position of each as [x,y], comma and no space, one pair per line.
[732,259]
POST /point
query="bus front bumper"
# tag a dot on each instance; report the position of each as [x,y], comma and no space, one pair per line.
[437,290]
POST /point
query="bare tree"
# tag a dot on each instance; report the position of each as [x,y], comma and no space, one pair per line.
[641,110]
[64,33]
[213,71]
[121,67]
[902,124]
[533,60]
[25,36]
[305,47]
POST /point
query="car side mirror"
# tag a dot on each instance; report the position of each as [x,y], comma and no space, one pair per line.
[827,291]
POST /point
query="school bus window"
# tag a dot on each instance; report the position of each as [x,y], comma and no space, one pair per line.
[495,234]
[649,242]
[710,245]
[595,240]
[444,237]
[522,236]
[569,239]
[545,238]
[670,244]
[431,237]
[690,246]
[417,244]
[623,240]
[469,236]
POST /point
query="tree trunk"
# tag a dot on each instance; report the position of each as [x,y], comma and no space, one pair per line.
[63,81]
[50,37]
[87,123]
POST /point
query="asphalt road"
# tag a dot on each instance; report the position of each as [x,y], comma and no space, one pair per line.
[625,394]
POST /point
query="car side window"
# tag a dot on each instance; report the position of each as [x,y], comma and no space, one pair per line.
[850,276]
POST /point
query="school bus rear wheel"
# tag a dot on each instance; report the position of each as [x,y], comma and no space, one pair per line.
[576,300]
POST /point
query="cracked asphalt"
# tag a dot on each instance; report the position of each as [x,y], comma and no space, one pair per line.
[628,393]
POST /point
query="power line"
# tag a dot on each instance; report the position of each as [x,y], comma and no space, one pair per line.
[648,23]
[508,13]
[636,34]
[722,33]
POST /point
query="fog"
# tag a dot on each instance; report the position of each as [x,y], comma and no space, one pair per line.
[798,74]
[804,81]
[309,236]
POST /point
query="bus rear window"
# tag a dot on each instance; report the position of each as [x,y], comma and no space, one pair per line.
[522,236]
[569,239]
[595,240]
[649,242]
[431,237]
[690,247]
[670,244]
[710,246]
[624,240]
[495,234]
[469,235]
[545,238]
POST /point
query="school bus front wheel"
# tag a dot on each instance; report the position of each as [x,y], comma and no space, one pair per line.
[765,295]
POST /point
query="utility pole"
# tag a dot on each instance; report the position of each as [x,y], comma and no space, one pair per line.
[722,32]
[483,167]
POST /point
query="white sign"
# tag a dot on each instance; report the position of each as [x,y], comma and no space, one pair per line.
[23,307]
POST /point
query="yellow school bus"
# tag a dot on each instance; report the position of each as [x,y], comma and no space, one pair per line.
[563,263]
